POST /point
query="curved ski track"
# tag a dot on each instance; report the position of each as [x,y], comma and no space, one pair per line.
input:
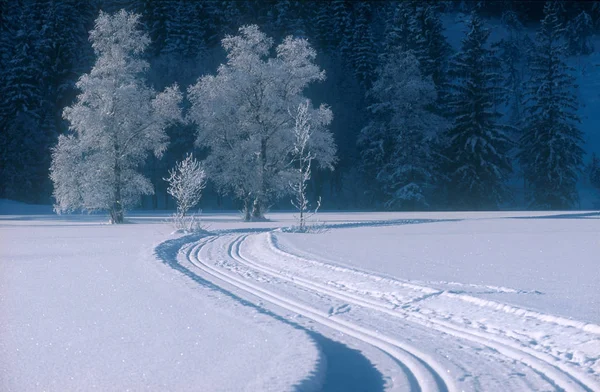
[427,372]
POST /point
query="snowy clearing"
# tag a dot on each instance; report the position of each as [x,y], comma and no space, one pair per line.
[381,301]
[87,306]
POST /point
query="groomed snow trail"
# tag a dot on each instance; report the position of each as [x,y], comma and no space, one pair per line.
[411,323]
[428,374]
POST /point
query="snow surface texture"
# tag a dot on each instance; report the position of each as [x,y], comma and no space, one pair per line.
[87,306]
[396,301]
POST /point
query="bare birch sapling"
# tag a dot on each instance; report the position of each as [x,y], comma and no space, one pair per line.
[301,160]
[186,183]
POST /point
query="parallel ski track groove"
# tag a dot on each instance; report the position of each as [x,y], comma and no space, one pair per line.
[423,369]
[562,377]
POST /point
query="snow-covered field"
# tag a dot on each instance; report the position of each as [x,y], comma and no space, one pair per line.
[380,301]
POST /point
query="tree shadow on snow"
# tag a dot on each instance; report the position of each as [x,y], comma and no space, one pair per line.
[346,369]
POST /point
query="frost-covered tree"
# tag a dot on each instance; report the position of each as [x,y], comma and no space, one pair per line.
[550,153]
[242,114]
[186,183]
[301,160]
[396,145]
[477,153]
[115,123]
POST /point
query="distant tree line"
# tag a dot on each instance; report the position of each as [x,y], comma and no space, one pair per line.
[417,124]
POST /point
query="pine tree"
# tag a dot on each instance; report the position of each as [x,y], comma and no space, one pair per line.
[287,18]
[432,48]
[478,164]
[319,24]
[22,107]
[551,154]
[579,32]
[416,25]
[396,144]
[363,48]
[513,55]
[400,27]
[183,24]
[340,25]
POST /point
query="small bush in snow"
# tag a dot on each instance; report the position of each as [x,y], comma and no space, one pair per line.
[308,223]
[186,182]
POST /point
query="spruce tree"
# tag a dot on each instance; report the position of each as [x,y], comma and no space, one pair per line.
[395,145]
[22,137]
[477,150]
[416,25]
[432,48]
[400,27]
[550,153]
[363,48]
[512,54]
[340,24]
[579,32]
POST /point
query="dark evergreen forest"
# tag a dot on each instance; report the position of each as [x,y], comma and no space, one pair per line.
[418,123]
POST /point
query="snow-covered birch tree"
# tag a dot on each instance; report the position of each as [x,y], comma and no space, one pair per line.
[301,160]
[114,124]
[242,114]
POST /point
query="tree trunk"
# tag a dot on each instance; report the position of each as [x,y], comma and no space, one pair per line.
[301,191]
[247,210]
[116,211]
[257,210]
[156,181]
[259,201]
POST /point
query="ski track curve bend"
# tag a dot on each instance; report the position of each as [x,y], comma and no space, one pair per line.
[427,373]
[563,376]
